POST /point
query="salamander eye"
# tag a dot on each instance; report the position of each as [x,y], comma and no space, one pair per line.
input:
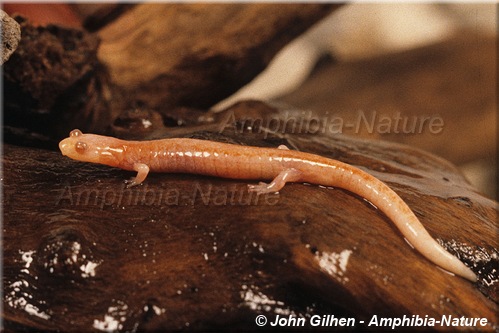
[80,147]
[74,133]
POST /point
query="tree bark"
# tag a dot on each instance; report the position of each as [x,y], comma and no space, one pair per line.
[193,55]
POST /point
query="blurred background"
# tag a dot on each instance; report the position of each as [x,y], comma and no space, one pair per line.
[428,46]
[361,31]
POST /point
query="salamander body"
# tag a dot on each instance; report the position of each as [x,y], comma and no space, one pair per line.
[279,165]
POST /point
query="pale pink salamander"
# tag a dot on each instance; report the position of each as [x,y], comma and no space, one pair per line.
[242,162]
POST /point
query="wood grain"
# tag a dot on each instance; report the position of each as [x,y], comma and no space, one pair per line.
[198,253]
[194,55]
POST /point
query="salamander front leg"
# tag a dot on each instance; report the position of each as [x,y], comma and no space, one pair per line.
[285,176]
[142,172]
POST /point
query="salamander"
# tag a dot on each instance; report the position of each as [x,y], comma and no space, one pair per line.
[280,165]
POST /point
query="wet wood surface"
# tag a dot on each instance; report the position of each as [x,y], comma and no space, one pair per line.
[201,253]
[183,252]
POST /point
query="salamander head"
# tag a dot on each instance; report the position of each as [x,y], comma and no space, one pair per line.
[91,148]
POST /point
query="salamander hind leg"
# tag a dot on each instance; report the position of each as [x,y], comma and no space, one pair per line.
[142,172]
[285,176]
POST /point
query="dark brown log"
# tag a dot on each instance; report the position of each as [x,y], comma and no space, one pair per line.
[194,55]
[56,83]
[51,84]
[199,253]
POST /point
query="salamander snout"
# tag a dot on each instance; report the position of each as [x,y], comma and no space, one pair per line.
[77,146]
[64,147]
[91,148]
